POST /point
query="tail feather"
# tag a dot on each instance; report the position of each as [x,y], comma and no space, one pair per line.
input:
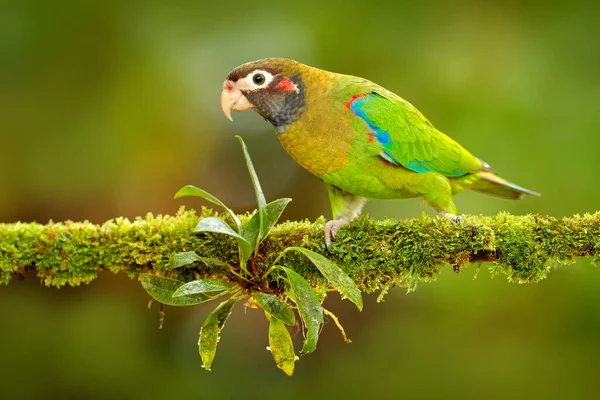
[494,185]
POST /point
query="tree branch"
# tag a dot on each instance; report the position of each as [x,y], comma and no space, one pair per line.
[376,254]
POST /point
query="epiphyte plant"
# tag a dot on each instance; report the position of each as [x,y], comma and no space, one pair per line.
[297,293]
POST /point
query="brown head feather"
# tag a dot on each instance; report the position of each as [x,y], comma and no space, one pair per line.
[281,102]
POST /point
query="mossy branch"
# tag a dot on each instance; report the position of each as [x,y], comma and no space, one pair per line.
[375,254]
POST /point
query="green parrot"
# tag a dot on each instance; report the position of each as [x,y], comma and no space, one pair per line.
[360,139]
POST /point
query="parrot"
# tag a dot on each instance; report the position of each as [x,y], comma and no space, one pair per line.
[361,140]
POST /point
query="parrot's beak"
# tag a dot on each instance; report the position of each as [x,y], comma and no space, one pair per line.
[233,99]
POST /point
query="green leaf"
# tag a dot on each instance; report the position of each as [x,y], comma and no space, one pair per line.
[213,262]
[191,190]
[162,290]
[281,346]
[185,258]
[309,307]
[251,230]
[276,307]
[217,225]
[250,233]
[260,197]
[209,334]
[200,286]
[335,275]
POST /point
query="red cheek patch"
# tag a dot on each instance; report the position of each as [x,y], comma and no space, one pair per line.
[286,85]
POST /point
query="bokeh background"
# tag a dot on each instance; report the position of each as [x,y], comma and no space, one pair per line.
[109,107]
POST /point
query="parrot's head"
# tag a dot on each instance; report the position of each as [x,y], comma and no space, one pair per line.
[273,87]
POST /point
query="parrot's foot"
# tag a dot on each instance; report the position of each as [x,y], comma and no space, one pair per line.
[452,217]
[332,228]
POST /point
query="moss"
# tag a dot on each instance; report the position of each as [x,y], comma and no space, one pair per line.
[376,254]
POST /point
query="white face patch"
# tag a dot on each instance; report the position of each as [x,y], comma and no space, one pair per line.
[255,80]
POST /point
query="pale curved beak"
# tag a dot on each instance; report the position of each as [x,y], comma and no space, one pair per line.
[233,99]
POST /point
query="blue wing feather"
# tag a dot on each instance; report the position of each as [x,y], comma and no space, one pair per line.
[359,105]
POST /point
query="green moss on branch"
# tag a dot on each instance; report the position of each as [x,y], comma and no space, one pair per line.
[376,254]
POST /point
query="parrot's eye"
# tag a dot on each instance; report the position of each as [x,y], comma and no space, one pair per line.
[258,79]
[255,80]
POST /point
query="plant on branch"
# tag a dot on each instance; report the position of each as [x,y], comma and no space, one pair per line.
[274,288]
[376,254]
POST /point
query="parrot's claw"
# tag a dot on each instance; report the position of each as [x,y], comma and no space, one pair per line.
[452,217]
[331,229]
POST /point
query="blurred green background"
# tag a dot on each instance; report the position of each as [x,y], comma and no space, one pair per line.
[109,107]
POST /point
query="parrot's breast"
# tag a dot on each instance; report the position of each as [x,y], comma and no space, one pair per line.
[320,151]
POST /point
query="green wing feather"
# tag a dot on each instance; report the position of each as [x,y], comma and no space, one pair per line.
[406,137]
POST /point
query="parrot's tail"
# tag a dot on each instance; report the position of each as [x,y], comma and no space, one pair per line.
[496,186]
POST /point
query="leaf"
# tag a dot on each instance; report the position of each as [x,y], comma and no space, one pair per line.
[185,258]
[276,307]
[260,197]
[209,334]
[251,230]
[309,307]
[190,190]
[335,275]
[213,262]
[188,257]
[200,286]
[281,346]
[273,211]
[217,225]
[162,289]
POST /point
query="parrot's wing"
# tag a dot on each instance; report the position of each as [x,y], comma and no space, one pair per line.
[408,139]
